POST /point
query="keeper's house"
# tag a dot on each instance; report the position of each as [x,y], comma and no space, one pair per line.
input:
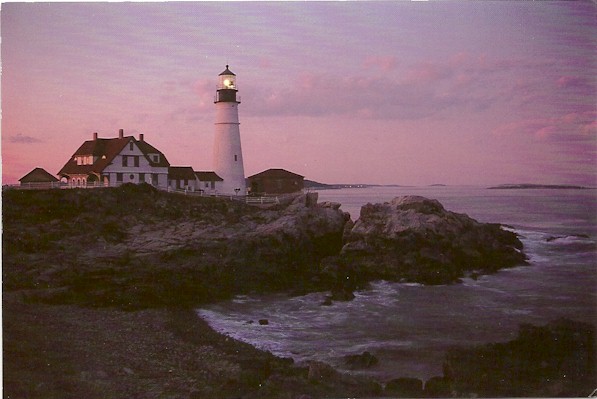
[114,161]
[275,181]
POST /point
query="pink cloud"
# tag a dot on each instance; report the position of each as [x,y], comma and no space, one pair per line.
[385,63]
[204,89]
[568,81]
[427,72]
[265,63]
[569,127]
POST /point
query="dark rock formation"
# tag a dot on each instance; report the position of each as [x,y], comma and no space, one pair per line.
[551,361]
[404,388]
[438,387]
[362,361]
[136,247]
[416,239]
[321,371]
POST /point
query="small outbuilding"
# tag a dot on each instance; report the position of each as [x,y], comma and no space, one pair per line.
[208,181]
[39,178]
[181,178]
[275,181]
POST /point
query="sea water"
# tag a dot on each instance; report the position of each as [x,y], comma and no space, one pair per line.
[409,327]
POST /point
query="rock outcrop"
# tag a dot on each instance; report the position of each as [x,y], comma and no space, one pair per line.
[137,247]
[363,361]
[415,239]
[555,360]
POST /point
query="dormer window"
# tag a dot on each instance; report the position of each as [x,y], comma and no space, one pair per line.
[84,159]
[156,158]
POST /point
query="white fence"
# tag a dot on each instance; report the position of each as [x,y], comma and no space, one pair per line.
[251,200]
[35,186]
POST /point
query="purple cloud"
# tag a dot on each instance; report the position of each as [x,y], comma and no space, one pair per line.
[23,139]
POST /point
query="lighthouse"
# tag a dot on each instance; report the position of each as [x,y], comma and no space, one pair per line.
[227,152]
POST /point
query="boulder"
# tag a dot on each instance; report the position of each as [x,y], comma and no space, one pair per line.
[320,371]
[438,387]
[405,387]
[416,239]
[342,294]
[362,361]
[555,360]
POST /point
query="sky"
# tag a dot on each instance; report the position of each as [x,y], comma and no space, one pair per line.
[410,93]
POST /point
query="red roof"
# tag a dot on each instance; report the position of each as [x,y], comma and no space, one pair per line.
[38,175]
[276,173]
[106,150]
[147,149]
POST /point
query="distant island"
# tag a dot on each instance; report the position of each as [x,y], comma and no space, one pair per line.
[536,186]
[324,186]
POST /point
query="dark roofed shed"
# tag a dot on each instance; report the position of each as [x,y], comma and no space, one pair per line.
[38,175]
[275,181]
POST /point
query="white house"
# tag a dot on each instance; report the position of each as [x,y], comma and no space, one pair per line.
[185,178]
[209,182]
[111,162]
[182,178]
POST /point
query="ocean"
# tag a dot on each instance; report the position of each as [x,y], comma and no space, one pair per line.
[409,327]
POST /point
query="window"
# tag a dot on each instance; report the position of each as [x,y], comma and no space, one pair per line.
[132,176]
[235,158]
[131,146]
[141,177]
[206,184]
[136,160]
[154,179]
[119,177]
[213,184]
[186,182]
[156,158]
[125,160]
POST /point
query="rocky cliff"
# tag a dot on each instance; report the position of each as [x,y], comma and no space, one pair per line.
[137,247]
[415,239]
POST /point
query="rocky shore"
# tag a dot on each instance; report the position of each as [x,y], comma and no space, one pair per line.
[415,239]
[99,286]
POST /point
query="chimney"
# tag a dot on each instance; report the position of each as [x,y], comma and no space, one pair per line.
[141,137]
[95,136]
[120,133]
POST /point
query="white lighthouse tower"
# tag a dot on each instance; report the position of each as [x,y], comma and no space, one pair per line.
[228,155]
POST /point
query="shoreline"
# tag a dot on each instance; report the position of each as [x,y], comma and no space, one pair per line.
[100,301]
[69,351]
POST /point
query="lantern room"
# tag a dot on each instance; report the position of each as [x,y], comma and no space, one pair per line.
[226,91]
[227,80]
